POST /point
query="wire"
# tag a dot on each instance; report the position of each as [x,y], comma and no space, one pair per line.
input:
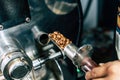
[80,29]
[81,20]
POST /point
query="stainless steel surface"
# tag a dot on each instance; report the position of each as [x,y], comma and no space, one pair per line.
[18,46]
[18,69]
[40,36]
[39,62]
[13,59]
[80,56]
[20,64]
[70,51]
[60,7]
[51,70]
[32,52]
[117,44]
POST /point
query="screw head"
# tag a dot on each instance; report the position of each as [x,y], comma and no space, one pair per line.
[27,19]
[1,27]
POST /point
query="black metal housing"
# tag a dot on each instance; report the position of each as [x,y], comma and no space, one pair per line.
[13,12]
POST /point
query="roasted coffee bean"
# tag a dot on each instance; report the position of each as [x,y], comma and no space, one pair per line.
[59,39]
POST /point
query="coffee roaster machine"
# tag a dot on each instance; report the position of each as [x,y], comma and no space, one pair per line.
[26,51]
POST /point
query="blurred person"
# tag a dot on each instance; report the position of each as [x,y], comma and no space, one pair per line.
[109,70]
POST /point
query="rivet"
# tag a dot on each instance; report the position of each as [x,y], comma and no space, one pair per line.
[1,27]
[27,19]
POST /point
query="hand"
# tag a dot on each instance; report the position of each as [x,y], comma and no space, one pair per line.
[107,71]
[2,77]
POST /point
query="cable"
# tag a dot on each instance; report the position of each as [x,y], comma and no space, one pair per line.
[81,20]
[80,29]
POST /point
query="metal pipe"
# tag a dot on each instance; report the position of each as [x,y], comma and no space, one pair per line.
[38,62]
[80,57]
[15,64]
[41,37]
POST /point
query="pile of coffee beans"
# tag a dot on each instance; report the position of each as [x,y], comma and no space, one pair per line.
[59,39]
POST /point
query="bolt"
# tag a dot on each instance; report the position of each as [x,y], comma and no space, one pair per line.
[27,19]
[22,58]
[1,27]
